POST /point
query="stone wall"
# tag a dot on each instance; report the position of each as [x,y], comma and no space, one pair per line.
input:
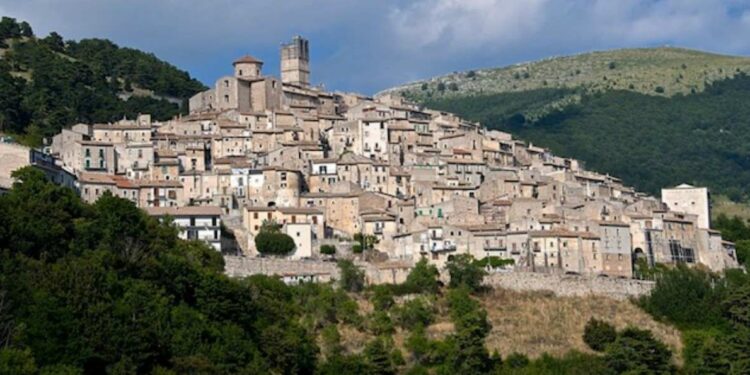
[570,285]
[396,272]
[238,266]
[383,273]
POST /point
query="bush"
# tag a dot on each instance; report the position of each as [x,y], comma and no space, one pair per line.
[441,86]
[378,357]
[380,323]
[659,90]
[274,243]
[636,351]
[352,278]
[517,360]
[464,271]
[685,297]
[423,278]
[494,262]
[418,343]
[328,249]
[382,297]
[15,361]
[598,334]
[414,313]
[357,249]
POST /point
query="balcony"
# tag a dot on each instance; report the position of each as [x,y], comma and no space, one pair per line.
[445,246]
[495,248]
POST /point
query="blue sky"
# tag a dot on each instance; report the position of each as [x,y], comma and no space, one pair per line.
[367,46]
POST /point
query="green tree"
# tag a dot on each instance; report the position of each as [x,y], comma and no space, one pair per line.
[415,312]
[637,351]
[382,297]
[352,278]
[685,297]
[423,278]
[380,323]
[365,241]
[378,358]
[270,240]
[25,29]
[737,306]
[469,355]
[15,361]
[465,272]
[598,334]
[54,42]
[22,224]
[328,249]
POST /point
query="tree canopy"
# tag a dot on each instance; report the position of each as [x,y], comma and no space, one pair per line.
[49,83]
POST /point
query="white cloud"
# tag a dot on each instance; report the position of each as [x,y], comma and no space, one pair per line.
[464,25]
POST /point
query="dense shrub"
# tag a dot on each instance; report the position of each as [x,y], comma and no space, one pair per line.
[415,312]
[516,360]
[598,334]
[423,278]
[686,297]
[382,297]
[494,262]
[117,291]
[328,249]
[637,351]
[465,272]
[274,243]
[352,278]
[380,323]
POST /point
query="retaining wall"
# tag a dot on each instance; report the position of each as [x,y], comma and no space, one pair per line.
[396,272]
[570,285]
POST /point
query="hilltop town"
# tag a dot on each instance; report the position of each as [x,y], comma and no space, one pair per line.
[379,178]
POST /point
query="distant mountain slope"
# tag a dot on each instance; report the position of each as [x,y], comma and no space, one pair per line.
[48,83]
[649,141]
[663,71]
[654,116]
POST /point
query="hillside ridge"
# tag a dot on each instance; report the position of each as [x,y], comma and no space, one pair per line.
[48,82]
[663,71]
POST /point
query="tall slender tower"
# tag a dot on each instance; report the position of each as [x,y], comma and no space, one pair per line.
[295,62]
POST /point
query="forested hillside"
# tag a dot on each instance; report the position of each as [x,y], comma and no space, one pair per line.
[48,83]
[104,288]
[648,141]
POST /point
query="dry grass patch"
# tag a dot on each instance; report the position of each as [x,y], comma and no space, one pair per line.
[534,323]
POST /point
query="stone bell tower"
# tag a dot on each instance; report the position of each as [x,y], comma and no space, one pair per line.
[295,62]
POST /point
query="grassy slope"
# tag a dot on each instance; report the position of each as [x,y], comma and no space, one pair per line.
[677,70]
[532,323]
[661,71]
[535,323]
[723,205]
